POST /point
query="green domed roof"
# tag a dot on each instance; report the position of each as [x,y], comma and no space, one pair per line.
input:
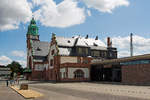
[32,28]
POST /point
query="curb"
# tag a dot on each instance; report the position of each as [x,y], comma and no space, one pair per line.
[27,94]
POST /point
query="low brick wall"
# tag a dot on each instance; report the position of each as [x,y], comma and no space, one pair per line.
[136,74]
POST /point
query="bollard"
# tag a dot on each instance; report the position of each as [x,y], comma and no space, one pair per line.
[24,87]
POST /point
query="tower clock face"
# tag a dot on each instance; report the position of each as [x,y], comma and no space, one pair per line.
[33,37]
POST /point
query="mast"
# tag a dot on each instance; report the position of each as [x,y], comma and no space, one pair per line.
[131,44]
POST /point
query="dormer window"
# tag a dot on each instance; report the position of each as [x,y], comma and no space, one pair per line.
[34,29]
[95,44]
[52,52]
[68,41]
[38,49]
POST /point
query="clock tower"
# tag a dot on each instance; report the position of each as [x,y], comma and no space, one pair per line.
[32,35]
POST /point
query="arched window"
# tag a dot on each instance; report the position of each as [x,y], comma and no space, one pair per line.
[30,63]
[78,74]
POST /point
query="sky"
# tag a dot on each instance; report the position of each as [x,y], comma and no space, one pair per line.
[67,18]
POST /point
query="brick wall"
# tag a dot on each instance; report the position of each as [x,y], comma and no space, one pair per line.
[37,75]
[134,74]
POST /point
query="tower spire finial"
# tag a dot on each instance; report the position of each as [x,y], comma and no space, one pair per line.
[32,28]
[32,16]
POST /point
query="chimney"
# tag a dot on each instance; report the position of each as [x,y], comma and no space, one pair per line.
[87,36]
[96,38]
[109,42]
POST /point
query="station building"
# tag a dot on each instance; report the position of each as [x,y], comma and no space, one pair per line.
[64,59]
[81,59]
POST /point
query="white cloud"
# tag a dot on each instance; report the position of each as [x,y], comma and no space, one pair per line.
[18,53]
[13,12]
[4,60]
[65,14]
[141,45]
[105,5]
[123,53]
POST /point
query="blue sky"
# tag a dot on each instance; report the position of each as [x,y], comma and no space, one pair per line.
[74,17]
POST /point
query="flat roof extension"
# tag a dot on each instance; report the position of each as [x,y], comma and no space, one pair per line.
[125,59]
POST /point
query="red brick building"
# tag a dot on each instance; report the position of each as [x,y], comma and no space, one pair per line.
[64,59]
[81,59]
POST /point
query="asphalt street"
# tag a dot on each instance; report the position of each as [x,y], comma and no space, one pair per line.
[60,92]
[57,93]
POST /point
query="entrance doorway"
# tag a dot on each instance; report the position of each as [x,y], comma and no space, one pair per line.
[111,74]
[96,73]
[107,74]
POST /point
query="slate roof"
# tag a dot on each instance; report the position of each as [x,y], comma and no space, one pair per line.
[62,41]
[64,51]
[81,41]
[89,42]
[40,48]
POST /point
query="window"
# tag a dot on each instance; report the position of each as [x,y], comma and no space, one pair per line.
[64,75]
[51,62]
[78,74]
[95,44]
[85,61]
[33,29]
[80,50]
[83,51]
[95,53]
[38,49]
[110,54]
[61,75]
[30,63]
[78,60]
[68,41]
[86,51]
[104,54]
[52,52]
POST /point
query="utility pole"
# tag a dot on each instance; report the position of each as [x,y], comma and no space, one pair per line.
[131,44]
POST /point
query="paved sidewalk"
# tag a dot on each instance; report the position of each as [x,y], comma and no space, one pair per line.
[7,93]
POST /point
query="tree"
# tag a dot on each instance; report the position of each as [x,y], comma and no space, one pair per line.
[16,68]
